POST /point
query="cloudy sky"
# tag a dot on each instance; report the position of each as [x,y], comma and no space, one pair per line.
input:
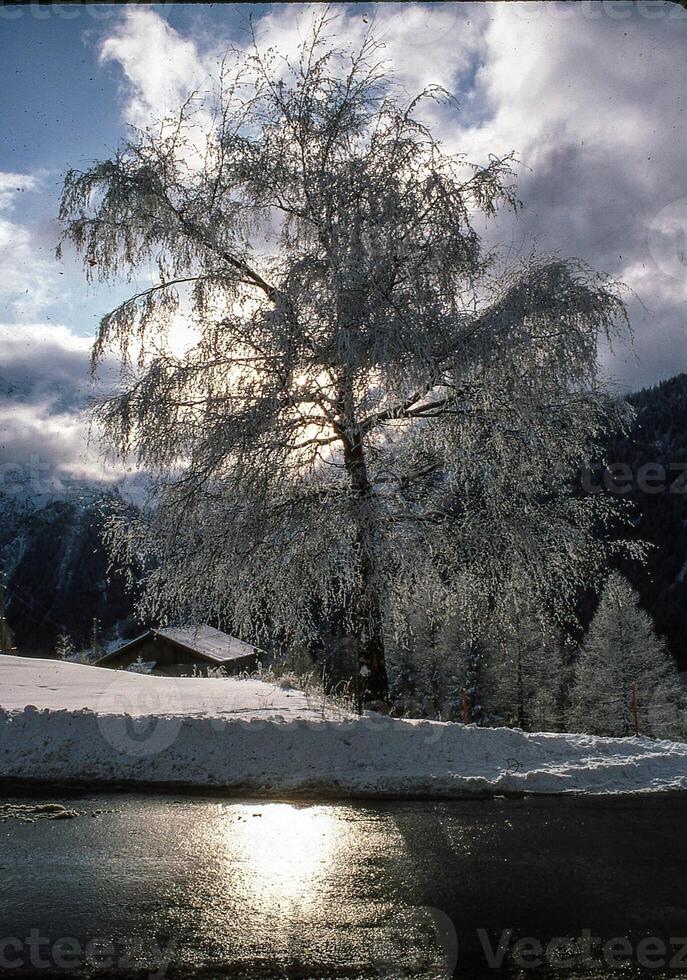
[589,95]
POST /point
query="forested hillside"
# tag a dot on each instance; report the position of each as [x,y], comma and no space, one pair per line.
[55,564]
[649,467]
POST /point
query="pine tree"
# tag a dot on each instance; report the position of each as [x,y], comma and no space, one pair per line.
[6,634]
[467,657]
[404,680]
[508,658]
[64,647]
[430,666]
[621,649]
[476,674]
[419,680]
[529,675]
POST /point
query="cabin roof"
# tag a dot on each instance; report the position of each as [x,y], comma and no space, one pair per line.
[208,642]
[205,641]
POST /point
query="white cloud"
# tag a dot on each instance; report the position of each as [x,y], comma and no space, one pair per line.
[588,95]
[27,279]
[38,445]
[43,367]
[13,184]
[430,45]
[161,67]
[591,102]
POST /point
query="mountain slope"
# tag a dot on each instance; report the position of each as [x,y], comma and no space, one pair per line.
[649,467]
[56,569]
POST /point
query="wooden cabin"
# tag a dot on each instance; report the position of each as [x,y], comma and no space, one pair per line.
[178,651]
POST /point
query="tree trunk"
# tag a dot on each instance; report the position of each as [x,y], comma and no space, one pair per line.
[367,613]
[368,638]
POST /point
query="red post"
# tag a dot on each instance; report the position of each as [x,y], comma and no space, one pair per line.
[633,688]
[466,711]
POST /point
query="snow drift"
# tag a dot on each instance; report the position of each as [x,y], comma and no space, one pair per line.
[61,721]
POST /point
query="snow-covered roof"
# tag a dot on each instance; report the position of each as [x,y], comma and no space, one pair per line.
[205,641]
[208,642]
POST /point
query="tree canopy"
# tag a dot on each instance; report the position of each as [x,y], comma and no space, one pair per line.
[373,403]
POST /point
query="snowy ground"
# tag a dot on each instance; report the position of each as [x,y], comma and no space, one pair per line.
[62,721]
[55,685]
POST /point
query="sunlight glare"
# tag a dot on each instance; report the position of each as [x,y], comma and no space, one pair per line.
[282,851]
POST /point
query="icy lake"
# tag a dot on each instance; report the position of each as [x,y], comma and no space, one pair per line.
[139,885]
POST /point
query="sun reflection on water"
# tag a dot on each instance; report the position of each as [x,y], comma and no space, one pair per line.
[281,853]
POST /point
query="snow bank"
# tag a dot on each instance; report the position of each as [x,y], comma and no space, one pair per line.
[68,722]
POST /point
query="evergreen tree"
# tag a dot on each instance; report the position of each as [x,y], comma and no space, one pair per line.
[6,635]
[507,657]
[475,685]
[422,676]
[440,656]
[529,674]
[64,647]
[404,681]
[465,648]
[621,649]
[95,641]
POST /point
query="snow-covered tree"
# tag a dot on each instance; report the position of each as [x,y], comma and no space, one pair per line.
[6,634]
[438,653]
[438,661]
[464,648]
[371,395]
[621,649]
[422,676]
[530,674]
[96,648]
[64,647]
